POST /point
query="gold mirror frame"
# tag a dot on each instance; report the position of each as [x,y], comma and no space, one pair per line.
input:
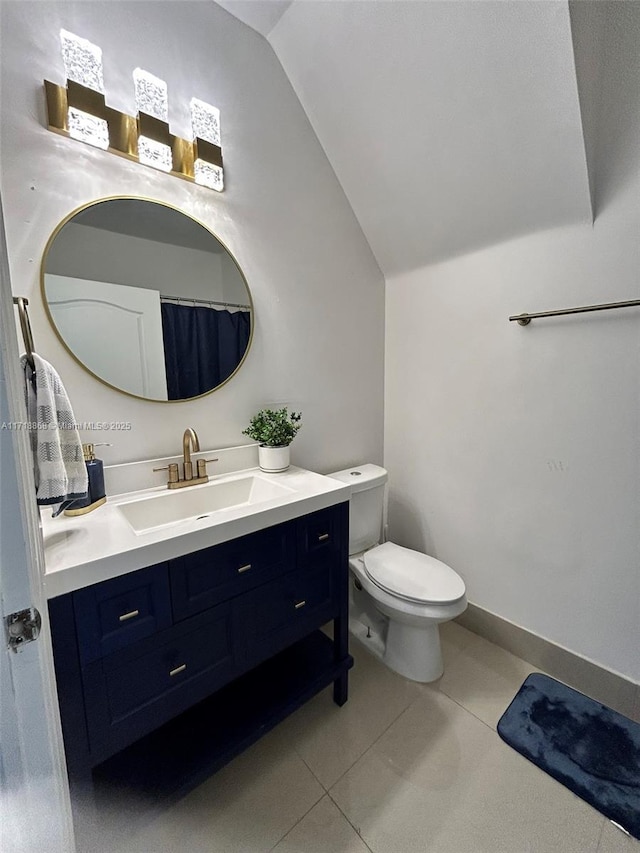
[68,219]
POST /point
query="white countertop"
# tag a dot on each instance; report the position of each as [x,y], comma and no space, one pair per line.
[100,545]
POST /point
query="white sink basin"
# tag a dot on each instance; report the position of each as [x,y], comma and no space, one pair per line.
[194,502]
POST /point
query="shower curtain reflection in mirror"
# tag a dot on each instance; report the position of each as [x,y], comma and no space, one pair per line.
[203,346]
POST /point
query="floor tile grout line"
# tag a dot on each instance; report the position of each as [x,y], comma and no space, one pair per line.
[372,744]
[464,707]
[326,790]
[381,735]
[318,780]
[491,727]
[346,817]
[366,749]
[421,695]
[310,809]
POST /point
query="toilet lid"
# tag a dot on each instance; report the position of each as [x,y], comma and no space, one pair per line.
[413,575]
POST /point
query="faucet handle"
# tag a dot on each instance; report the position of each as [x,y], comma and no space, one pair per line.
[173,471]
[202,466]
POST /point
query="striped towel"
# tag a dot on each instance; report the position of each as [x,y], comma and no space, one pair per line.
[58,461]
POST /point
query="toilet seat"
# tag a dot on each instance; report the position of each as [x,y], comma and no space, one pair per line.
[412,576]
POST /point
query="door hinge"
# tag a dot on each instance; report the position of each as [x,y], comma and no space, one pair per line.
[23,626]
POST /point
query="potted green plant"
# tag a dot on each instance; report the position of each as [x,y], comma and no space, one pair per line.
[274,429]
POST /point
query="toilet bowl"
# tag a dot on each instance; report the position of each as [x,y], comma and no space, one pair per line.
[411,640]
[398,596]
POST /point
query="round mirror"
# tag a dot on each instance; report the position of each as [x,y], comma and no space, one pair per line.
[147,299]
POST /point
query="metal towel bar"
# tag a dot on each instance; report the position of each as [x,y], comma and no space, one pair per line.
[25,325]
[525,319]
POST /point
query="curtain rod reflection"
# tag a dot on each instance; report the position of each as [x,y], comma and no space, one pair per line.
[191,301]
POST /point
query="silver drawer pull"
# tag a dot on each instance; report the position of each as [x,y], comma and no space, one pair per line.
[300,604]
[244,568]
[322,537]
[178,669]
[129,615]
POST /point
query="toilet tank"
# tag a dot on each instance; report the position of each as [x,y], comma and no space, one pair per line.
[366,506]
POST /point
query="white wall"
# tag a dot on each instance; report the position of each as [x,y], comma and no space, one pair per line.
[451,125]
[514,451]
[318,293]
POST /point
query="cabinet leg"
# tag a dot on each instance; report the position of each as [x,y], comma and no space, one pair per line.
[341,689]
[340,637]
[340,651]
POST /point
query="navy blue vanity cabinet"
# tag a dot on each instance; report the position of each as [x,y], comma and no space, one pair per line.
[320,537]
[202,579]
[131,693]
[284,610]
[166,673]
[118,612]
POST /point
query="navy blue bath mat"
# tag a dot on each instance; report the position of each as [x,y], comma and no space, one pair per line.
[592,750]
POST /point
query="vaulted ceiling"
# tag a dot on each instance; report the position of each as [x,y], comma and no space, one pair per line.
[450,125]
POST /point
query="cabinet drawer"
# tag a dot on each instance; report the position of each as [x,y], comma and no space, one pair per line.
[133,692]
[283,611]
[173,664]
[319,535]
[206,578]
[118,612]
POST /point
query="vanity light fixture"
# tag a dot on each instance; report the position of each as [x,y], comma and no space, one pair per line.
[207,153]
[79,110]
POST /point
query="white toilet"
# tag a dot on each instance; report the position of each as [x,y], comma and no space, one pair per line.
[398,596]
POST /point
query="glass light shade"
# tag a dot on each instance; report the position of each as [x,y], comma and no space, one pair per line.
[155,154]
[152,99]
[87,128]
[205,121]
[82,61]
[208,175]
[83,64]
[151,95]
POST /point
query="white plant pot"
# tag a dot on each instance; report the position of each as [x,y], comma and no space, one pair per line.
[273,460]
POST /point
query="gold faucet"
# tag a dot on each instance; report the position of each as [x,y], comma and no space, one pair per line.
[189,440]
[190,443]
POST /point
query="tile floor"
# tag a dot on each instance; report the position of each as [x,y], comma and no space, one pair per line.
[401,767]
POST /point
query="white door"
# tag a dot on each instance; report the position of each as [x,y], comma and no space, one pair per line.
[114,329]
[35,812]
